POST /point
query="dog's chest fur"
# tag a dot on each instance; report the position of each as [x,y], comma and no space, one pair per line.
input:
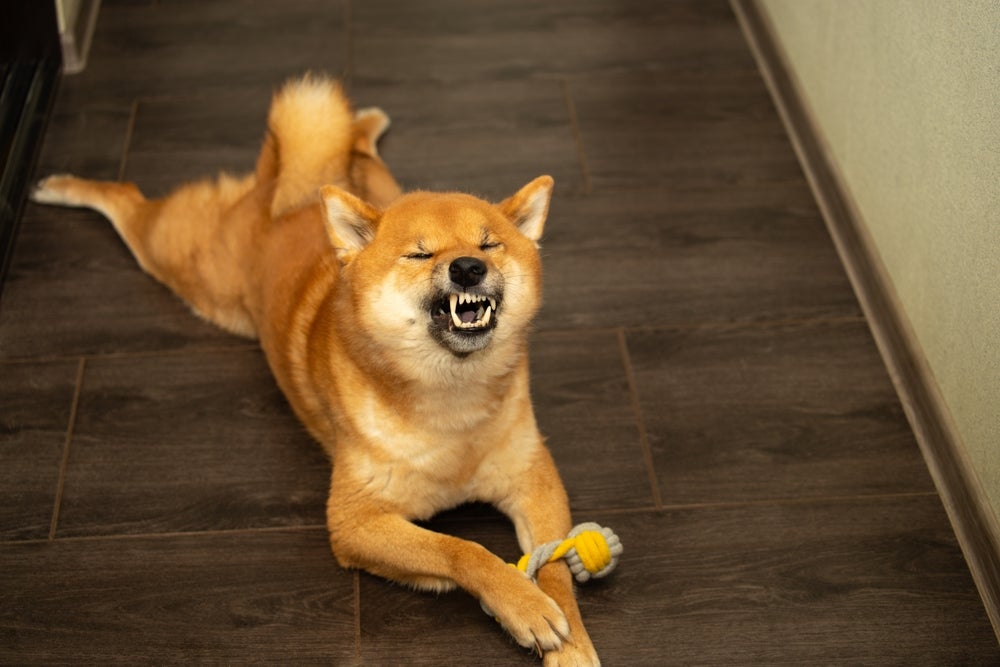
[452,445]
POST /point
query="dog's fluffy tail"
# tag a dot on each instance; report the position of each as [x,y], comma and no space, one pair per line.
[308,142]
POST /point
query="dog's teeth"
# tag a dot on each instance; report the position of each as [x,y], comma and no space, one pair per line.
[454,300]
[493,304]
[486,316]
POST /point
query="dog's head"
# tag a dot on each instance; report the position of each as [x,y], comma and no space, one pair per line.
[441,271]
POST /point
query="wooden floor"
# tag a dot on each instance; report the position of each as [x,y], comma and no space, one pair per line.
[701,367]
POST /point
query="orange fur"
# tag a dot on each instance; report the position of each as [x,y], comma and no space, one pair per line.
[422,403]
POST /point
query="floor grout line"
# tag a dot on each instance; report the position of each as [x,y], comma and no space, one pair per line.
[595,511]
[577,135]
[64,463]
[129,133]
[538,332]
[647,452]
[357,617]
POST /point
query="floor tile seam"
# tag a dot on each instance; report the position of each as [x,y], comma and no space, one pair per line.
[574,124]
[127,143]
[706,325]
[67,444]
[356,586]
[579,512]
[129,354]
[115,537]
[636,407]
[792,501]
[747,325]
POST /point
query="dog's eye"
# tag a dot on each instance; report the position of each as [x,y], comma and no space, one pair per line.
[490,245]
[418,255]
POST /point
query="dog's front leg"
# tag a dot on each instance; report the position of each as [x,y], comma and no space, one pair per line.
[540,512]
[384,543]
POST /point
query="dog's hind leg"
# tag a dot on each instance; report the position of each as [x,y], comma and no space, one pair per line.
[370,177]
[121,203]
[180,240]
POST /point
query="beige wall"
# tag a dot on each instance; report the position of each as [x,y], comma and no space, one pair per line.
[907,96]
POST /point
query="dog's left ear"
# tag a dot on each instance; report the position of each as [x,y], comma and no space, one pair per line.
[528,207]
[350,221]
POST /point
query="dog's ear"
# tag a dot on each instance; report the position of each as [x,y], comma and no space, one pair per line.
[350,222]
[529,206]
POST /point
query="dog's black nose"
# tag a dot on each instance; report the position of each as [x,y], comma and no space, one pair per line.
[467,271]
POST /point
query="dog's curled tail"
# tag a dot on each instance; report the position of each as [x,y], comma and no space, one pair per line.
[308,143]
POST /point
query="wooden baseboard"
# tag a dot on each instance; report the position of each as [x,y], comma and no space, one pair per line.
[971,515]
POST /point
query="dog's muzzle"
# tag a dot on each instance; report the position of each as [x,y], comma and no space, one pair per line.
[463,317]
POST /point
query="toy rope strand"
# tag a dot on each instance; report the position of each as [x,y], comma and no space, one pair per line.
[591,551]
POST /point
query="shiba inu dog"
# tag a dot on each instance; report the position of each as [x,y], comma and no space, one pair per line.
[396,326]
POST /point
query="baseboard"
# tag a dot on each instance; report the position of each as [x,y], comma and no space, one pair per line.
[971,515]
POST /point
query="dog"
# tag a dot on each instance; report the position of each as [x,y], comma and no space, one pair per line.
[396,326]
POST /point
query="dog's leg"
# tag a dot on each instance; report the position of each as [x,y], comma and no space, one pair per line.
[540,512]
[390,546]
[370,176]
[121,203]
[174,239]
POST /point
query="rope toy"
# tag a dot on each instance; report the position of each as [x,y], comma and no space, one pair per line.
[590,550]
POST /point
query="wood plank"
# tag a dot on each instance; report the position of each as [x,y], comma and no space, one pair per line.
[582,405]
[661,257]
[778,411]
[876,581]
[459,41]
[488,138]
[75,289]
[650,130]
[197,441]
[239,597]
[171,49]
[35,412]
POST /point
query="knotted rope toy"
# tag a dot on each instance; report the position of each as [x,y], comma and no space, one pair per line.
[590,550]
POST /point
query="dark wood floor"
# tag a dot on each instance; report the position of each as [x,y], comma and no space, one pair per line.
[701,367]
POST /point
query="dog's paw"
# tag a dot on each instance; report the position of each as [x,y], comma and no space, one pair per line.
[49,190]
[531,617]
[572,655]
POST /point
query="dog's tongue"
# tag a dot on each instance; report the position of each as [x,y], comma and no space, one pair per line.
[468,316]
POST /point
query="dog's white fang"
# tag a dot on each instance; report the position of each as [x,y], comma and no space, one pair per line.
[483,315]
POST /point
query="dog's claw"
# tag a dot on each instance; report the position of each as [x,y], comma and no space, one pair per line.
[563,638]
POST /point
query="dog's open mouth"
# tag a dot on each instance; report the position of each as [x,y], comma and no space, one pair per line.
[463,322]
[465,313]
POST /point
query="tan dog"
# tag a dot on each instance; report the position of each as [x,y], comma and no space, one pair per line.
[396,326]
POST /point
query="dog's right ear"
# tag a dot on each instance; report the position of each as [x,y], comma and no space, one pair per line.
[350,222]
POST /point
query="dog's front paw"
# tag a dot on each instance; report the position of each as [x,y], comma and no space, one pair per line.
[531,617]
[573,655]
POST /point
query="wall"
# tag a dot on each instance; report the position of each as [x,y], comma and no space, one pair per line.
[907,96]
